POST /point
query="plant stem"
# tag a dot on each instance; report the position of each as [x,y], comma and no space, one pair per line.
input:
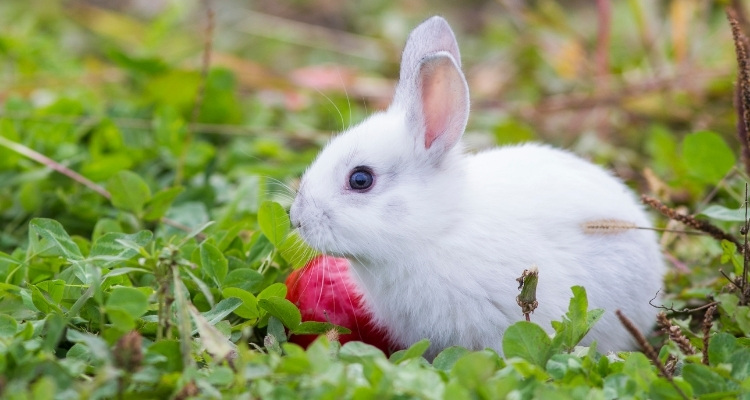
[44,160]
[199,96]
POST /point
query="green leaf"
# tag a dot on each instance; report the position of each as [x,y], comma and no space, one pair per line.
[273,221]
[639,368]
[249,307]
[662,389]
[619,386]
[721,347]
[8,326]
[576,323]
[707,156]
[729,253]
[448,357]
[528,341]
[54,326]
[282,309]
[276,329]
[243,278]
[160,203]
[260,247]
[54,288]
[171,359]
[703,379]
[318,328]
[98,347]
[47,237]
[414,351]
[357,351]
[728,302]
[213,340]
[742,316]
[106,225]
[128,191]
[44,388]
[133,301]
[123,271]
[203,286]
[296,360]
[559,365]
[275,290]
[475,368]
[220,311]
[110,248]
[740,362]
[661,145]
[214,263]
[722,213]
[276,335]
[7,258]
[41,302]
[121,319]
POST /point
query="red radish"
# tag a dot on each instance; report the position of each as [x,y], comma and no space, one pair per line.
[324,292]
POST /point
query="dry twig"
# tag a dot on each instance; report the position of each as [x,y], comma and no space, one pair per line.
[708,320]
[742,91]
[746,259]
[671,364]
[199,96]
[604,16]
[675,334]
[56,166]
[208,35]
[684,310]
[52,164]
[648,350]
[692,222]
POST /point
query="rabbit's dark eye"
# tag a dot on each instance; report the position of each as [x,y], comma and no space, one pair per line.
[360,179]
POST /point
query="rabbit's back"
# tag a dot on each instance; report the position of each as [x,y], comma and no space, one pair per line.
[537,205]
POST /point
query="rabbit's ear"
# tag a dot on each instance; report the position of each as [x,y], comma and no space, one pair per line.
[442,103]
[431,36]
[432,89]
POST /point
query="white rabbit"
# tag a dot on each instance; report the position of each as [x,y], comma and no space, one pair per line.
[437,237]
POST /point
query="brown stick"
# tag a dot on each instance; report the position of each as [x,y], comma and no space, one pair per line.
[675,334]
[746,258]
[741,128]
[648,350]
[742,91]
[54,165]
[739,10]
[692,222]
[708,320]
[199,96]
[208,35]
[44,160]
[604,16]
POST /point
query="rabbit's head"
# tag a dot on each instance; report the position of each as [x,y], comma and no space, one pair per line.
[385,187]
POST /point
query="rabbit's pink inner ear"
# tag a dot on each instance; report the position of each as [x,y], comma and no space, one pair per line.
[444,101]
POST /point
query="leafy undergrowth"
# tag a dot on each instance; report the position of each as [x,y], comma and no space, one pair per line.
[144,240]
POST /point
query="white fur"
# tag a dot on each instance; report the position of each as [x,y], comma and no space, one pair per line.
[437,243]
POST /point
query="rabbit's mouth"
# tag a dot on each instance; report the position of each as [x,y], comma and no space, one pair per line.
[315,230]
